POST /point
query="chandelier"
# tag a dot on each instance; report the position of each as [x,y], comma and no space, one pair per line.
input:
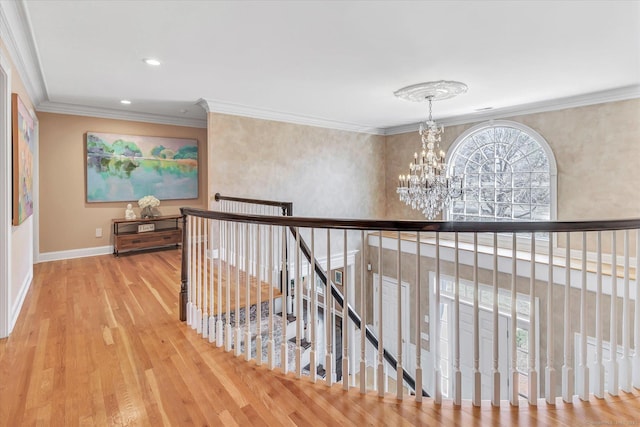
[428,186]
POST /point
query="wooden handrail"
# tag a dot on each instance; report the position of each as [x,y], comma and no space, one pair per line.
[287,207]
[426,226]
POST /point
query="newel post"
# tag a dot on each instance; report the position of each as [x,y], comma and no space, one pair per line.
[183,274]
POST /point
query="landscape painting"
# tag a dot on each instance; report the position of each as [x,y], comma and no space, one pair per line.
[24,135]
[124,168]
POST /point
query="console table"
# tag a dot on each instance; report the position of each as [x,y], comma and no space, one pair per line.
[129,234]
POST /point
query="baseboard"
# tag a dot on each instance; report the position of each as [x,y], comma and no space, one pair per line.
[17,305]
[75,253]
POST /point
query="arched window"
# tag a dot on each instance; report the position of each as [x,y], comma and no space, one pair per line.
[509,174]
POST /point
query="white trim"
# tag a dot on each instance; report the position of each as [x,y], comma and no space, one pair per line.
[17,304]
[108,113]
[216,106]
[610,95]
[15,30]
[5,193]
[75,253]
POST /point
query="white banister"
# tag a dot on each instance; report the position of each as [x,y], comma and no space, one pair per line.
[219,340]
[598,368]
[328,315]
[238,331]
[613,330]
[514,397]
[567,367]
[583,367]
[345,317]
[625,361]
[227,315]
[436,319]
[550,371]
[299,314]
[533,345]
[363,322]
[457,373]
[399,368]
[380,372]
[418,308]
[190,219]
[495,395]
[259,267]
[636,319]
[314,310]
[198,323]
[284,354]
[476,396]
[211,275]
[271,362]
[247,283]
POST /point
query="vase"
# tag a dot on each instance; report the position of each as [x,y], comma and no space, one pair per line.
[146,212]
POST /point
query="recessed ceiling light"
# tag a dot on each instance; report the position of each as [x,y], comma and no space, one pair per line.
[151,61]
[125,102]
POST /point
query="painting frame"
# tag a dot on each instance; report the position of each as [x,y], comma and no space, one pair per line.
[337,277]
[24,135]
[125,168]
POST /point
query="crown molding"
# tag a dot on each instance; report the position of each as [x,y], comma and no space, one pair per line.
[15,30]
[215,106]
[612,95]
[106,113]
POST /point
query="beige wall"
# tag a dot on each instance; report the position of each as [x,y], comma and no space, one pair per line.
[324,172]
[67,221]
[596,148]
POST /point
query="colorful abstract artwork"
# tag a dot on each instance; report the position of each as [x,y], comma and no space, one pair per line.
[25,134]
[126,168]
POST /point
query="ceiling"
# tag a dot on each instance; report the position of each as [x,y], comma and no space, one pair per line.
[330,63]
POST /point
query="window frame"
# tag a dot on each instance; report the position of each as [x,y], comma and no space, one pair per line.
[553,169]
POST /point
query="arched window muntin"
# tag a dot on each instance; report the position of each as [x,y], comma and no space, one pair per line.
[510,174]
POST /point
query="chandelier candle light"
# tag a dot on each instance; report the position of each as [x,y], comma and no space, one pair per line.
[428,186]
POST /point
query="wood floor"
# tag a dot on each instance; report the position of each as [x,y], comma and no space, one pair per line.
[98,343]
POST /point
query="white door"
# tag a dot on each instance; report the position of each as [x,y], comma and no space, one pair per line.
[390,313]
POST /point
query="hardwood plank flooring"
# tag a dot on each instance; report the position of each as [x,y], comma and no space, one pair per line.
[98,343]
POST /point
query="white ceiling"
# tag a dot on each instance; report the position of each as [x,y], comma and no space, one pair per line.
[333,62]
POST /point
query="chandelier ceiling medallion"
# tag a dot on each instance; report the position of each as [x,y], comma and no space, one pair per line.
[428,187]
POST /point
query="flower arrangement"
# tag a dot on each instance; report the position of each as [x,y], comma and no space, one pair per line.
[149,201]
[149,205]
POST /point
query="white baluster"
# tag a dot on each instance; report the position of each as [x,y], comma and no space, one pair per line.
[299,313]
[219,339]
[363,317]
[284,354]
[328,324]
[313,366]
[457,373]
[238,332]
[567,368]
[194,274]
[476,395]
[212,318]
[495,395]
[613,331]
[514,396]
[582,379]
[437,324]
[205,279]
[345,316]
[198,325]
[399,369]
[189,272]
[625,361]
[380,372]
[550,371]
[636,320]
[258,297]
[228,333]
[418,308]
[270,345]
[247,305]
[598,368]
[533,342]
